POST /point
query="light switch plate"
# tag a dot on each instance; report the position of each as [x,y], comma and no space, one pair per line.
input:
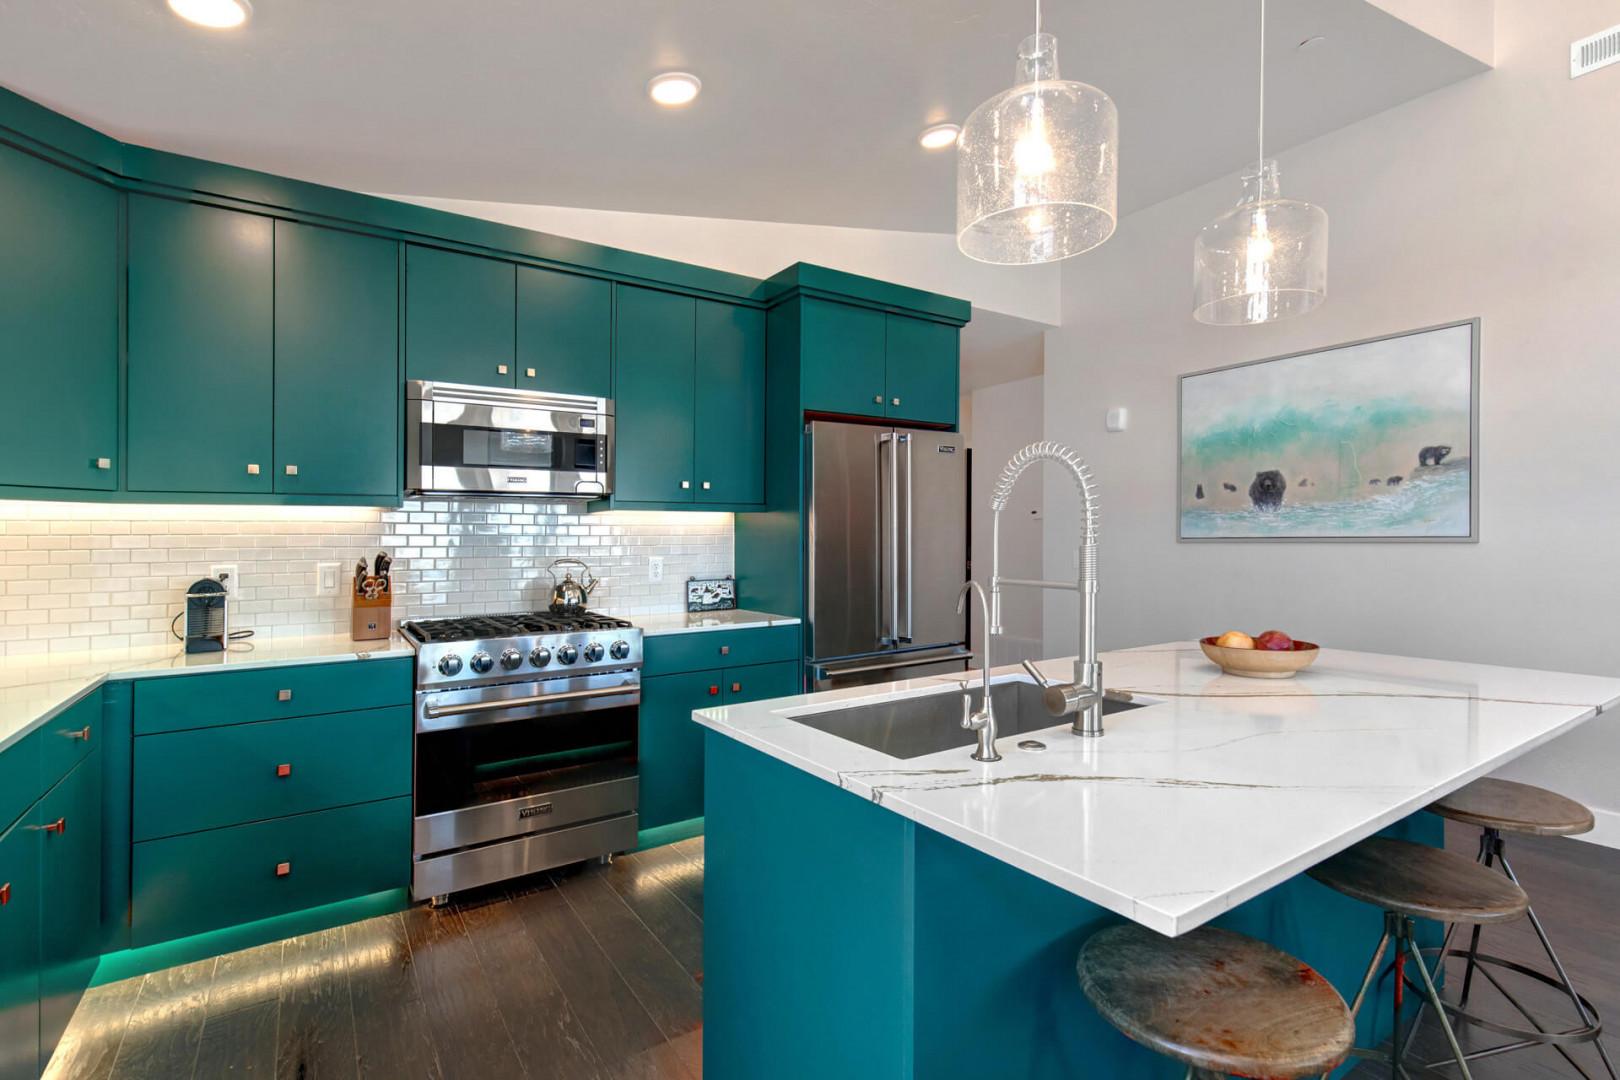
[326,579]
[226,575]
[1117,418]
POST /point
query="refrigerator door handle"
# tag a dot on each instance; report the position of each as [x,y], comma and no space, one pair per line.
[888,542]
[911,523]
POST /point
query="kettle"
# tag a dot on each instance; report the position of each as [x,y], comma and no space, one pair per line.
[568,597]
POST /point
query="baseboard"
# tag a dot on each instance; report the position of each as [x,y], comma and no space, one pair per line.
[1607,830]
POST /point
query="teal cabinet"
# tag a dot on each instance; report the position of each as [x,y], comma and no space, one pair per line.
[923,365]
[654,368]
[201,326]
[671,745]
[20,913]
[703,650]
[842,358]
[729,435]
[762,682]
[460,316]
[564,332]
[70,891]
[211,699]
[337,383]
[59,322]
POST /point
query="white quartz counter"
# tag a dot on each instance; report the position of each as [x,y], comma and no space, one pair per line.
[35,688]
[1221,789]
[683,622]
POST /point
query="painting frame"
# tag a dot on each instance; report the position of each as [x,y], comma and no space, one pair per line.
[1474,327]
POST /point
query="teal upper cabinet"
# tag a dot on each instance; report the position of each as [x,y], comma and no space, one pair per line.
[924,370]
[460,317]
[842,358]
[19,950]
[729,461]
[59,322]
[201,326]
[654,369]
[337,381]
[564,332]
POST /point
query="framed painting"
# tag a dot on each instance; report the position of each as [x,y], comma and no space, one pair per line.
[1371,440]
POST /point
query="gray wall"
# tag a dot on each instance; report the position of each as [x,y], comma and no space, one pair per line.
[1006,418]
[1498,197]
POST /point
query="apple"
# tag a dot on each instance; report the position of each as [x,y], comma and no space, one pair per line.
[1235,639]
[1274,640]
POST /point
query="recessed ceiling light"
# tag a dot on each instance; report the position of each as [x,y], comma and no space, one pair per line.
[674,88]
[214,14]
[939,136]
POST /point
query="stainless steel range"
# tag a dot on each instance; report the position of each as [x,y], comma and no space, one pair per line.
[525,745]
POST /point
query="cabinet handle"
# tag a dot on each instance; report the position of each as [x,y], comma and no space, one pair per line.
[82,733]
[685,485]
[283,695]
[103,462]
[59,826]
[283,771]
[253,470]
[283,869]
[707,485]
[528,372]
[292,470]
[736,688]
[725,650]
[5,894]
[500,369]
[714,691]
[877,399]
[894,401]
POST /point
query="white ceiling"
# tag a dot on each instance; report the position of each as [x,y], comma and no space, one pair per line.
[809,113]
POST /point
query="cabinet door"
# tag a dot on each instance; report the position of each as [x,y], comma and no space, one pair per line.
[564,332]
[70,890]
[762,681]
[923,370]
[201,294]
[460,312]
[19,951]
[671,745]
[59,322]
[652,390]
[842,358]
[337,362]
[730,408]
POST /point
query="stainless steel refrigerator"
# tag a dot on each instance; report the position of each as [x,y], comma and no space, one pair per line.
[886,552]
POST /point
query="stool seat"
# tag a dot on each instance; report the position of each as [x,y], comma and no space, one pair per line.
[1217,1001]
[1511,807]
[1421,881]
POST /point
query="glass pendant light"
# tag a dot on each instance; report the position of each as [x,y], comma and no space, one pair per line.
[1266,258]
[1037,165]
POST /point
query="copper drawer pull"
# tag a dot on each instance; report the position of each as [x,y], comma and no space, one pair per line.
[736,688]
[725,650]
[283,695]
[283,771]
[82,733]
[59,826]
[714,691]
[5,894]
[283,869]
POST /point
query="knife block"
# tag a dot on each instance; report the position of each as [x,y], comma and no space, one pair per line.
[373,619]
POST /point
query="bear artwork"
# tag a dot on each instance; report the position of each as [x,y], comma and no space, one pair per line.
[1432,455]
[1267,490]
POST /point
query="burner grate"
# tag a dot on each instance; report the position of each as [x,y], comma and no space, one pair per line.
[475,627]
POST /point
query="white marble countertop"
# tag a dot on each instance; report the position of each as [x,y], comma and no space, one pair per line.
[683,622]
[35,688]
[1223,788]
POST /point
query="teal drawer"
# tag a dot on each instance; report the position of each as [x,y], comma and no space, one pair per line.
[186,781]
[700,650]
[19,778]
[67,737]
[182,702]
[762,681]
[203,881]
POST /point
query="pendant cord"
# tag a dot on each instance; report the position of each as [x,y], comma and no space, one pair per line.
[1260,164]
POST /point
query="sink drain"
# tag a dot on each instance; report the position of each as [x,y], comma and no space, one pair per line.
[1034,746]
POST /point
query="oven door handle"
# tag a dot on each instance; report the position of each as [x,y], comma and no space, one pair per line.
[433,712]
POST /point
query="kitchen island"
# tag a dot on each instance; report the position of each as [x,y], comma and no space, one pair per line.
[876,916]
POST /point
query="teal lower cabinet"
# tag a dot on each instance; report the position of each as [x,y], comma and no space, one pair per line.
[69,817]
[203,881]
[19,950]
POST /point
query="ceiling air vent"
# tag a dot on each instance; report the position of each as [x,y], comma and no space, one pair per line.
[1591,53]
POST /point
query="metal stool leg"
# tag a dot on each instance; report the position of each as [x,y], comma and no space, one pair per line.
[1434,998]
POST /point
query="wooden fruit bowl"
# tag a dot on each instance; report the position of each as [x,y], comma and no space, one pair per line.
[1260,663]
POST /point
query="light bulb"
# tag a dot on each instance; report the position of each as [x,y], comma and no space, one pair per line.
[214,14]
[1260,248]
[1032,154]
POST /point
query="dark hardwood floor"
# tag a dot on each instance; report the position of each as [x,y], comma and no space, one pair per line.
[594,972]
[597,972]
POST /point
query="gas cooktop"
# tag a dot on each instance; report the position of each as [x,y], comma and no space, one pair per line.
[475,649]
[517,624]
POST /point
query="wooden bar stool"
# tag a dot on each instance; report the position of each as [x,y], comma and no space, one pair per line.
[1220,1002]
[1414,881]
[1497,807]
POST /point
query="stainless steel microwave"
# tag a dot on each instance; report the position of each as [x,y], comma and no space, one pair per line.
[482,440]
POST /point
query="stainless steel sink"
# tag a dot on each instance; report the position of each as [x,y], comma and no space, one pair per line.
[917,726]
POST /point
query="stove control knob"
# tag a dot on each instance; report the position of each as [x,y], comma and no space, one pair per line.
[593,652]
[510,659]
[540,656]
[449,664]
[481,663]
[619,650]
[567,654]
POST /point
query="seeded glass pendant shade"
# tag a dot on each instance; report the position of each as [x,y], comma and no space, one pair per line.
[1263,260]
[1266,258]
[1037,166]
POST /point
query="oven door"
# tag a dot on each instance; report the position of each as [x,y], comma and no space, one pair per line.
[518,442]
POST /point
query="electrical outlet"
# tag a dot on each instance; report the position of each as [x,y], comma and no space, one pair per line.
[225,574]
[326,578]
[655,568]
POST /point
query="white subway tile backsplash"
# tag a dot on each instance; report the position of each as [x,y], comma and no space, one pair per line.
[104,576]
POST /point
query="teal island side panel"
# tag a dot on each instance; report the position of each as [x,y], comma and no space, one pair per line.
[813,895]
